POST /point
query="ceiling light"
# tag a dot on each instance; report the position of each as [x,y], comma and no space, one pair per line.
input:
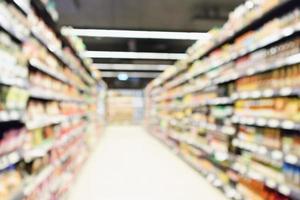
[122,77]
[129,74]
[133,55]
[129,67]
[136,34]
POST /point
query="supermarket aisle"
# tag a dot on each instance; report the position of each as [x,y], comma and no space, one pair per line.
[131,165]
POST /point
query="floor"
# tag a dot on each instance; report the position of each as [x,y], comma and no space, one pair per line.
[129,164]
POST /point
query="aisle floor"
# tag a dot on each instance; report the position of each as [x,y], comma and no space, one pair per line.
[129,164]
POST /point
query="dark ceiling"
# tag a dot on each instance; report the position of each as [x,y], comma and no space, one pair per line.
[154,15]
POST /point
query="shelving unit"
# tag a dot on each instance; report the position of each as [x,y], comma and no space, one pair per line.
[48,105]
[231,109]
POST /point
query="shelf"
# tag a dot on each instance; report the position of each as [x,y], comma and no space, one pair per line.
[9,159]
[276,37]
[44,121]
[13,81]
[266,122]
[275,154]
[44,94]
[227,130]
[256,23]
[67,137]
[267,93]
[283,188]
[11,115]
[37,152]
[35,181]
[4,27]
[261,68]
[20,5]
[45,15]
[35,63]
[213,179]
[51,49]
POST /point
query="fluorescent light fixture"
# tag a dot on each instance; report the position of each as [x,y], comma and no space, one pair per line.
[134,55]
[130,74]
[129,67]
[123,77]
[136,34]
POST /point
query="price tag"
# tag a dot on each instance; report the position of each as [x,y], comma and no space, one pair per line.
[261,122]
[13,157]
[4,116]
[3,162]
[268,93]
[228,130]
[286,91]
[271,183]
[274,123]
[250,71]
[285,190]
[256,94]
[250,121]
[235,119]
[292,159]
[288,124]
[277,155]
[235,96]
[244,95]
[262,150]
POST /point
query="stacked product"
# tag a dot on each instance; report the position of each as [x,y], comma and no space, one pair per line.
[231,108]
[48,105]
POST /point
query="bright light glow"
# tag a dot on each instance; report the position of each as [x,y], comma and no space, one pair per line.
[123,77]
[134,55]
[130,74]
[136,34]
[129,67]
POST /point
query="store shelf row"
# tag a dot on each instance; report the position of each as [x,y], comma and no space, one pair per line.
[260,68]
[44,94]
[4,26]
[13,81]
[275,154]
[276,37]
[266,122]
[213,179]
[35,63]
[42,11]
[42,121]
[267,93]
[285,189]
[39,151]
[229,190]
[294,59]
[278,9]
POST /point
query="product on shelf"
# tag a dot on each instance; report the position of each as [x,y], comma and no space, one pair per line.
[232,109]
[47,97]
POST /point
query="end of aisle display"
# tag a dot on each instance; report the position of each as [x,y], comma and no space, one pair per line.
[49,99]
[231,109]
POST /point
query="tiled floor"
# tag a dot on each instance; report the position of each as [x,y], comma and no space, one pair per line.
[129,164]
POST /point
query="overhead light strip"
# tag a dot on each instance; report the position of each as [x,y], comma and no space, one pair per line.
[130,74]
[136,34]
[129,67]
[134,55]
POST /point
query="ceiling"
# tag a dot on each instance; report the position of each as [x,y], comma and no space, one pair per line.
[150,15]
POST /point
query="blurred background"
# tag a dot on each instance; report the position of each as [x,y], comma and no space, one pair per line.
[149,100]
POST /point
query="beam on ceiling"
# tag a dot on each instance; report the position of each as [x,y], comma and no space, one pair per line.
[134,55]
[129,67]
[130,74]
[136,34]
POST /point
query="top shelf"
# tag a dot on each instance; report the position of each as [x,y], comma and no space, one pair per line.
[40,9]
[278,10]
